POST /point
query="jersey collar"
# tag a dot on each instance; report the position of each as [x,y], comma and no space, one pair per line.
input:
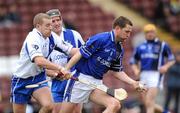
[63,29]
[62,33]
[155,40]
[112,36]
[39,33]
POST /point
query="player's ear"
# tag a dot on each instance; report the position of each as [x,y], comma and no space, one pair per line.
[117,28]
[37,25]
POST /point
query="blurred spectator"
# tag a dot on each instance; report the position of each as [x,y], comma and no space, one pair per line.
[175,6]
[4,22]
[13,13]
[171,10]
[9,15]
[164,13]
[173,84]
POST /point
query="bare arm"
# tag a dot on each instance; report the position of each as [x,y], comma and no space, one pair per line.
[51,73]
[73,51]
[163,69]
[125,78]
[44,63]
[135,69]
[73,60]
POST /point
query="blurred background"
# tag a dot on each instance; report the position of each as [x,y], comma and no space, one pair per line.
[88,17]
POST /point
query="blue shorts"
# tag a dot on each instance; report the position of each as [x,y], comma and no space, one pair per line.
[57,97]
[22,95]
[57,90]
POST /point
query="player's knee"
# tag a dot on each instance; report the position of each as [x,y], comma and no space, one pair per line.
[114,104]
[149,103]
[48,107]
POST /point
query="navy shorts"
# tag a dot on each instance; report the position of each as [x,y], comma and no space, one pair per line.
[57,90]
[22,95]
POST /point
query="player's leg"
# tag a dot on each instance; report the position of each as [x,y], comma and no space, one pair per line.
[99,97]
[19,108]
[19,95]
[67,107]
[43,96]
[176,92]
[150,99]
[57,98]
[18,101]
[97,108]
[78,108]
[56,108]
[167,99]
[158,108]
[151,79]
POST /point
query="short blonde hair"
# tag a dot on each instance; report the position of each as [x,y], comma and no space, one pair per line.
[149,27]
[38,18]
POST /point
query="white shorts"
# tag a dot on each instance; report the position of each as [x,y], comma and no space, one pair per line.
[77,92]
[151,79]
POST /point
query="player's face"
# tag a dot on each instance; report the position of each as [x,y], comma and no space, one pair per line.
[150,35]
[57,24]
[123,33]
[46,27]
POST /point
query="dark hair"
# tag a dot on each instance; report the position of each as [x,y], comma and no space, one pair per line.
[121,22]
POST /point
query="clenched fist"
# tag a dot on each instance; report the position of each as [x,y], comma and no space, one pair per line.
[63,74]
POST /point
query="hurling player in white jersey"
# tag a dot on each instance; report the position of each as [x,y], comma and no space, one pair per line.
[30,68]
[60,58]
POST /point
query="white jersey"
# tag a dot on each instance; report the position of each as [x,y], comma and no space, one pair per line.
[36,45]
[61,58]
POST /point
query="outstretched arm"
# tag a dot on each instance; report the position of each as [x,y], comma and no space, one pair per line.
[44,63]
[135,69]
[125,78]
[73,51]
[51,73]
[73,60]
[163,69]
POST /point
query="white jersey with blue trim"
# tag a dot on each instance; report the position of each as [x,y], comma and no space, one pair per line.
[61,58]
[151,55]
[35,45]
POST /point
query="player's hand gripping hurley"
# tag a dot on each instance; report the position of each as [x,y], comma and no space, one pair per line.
[119,94]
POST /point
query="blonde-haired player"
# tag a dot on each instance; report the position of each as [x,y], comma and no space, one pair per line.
[148,62]
[30,68]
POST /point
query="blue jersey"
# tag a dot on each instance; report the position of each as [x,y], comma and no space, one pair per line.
[100,54]
[151,54]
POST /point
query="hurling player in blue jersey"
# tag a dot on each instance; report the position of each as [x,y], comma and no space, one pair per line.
[30,68]
[148,62]
[60,58]
[103,52]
